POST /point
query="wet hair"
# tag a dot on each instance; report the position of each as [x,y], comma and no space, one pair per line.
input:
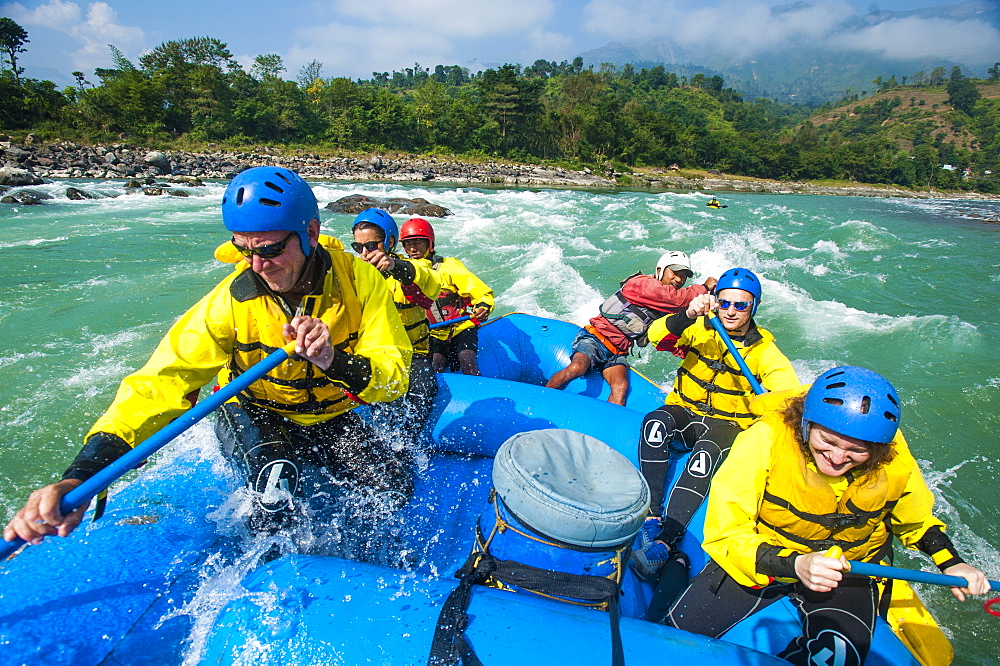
[370,225]
[879,454]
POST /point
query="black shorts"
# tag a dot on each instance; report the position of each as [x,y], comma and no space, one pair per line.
[465,340]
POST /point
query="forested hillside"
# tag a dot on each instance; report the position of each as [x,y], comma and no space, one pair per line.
[192,92]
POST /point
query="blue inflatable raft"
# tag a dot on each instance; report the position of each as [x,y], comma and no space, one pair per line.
[163,578]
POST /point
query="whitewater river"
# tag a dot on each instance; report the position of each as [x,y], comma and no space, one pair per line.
[87,288]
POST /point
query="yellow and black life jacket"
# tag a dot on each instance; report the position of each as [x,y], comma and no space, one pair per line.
[710,382]
[296,386]
[801,511]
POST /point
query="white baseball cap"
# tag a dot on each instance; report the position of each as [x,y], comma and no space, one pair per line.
[675,261]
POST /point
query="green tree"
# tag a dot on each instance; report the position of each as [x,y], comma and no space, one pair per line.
[962,92]
[269,66]
[994,72]
[309,73]
[511,101]
[12,41]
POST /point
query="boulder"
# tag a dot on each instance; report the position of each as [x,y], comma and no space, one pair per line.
[355,203]
[24,198]
[78,195]
[14,176]
[178,193]
[16,154]
[158,160]
[153,191]
[193,181]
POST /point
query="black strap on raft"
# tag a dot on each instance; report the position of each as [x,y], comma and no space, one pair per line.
[451,646]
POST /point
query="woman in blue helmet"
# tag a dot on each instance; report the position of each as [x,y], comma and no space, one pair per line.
[823,468]
[707,408]
[414,286]
[289,283]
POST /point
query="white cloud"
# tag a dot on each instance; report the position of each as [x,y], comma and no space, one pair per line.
[465,19]
[972,42]
[737,27]
[91,35]
[386,35]
[55,14]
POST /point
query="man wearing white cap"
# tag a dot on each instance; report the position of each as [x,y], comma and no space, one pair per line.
[625,317]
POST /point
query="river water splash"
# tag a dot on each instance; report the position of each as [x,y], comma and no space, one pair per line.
[87,289]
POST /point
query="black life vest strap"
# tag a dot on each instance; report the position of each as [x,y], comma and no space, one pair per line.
[816,544]
[708,410]
[708,386]
[831,521]
[451,647]
[716,365]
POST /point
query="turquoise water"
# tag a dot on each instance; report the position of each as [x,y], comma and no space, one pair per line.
[87,288]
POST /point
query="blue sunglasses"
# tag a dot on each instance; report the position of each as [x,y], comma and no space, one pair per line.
[740,306]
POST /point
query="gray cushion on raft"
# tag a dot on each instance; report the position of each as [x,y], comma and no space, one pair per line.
[571,487]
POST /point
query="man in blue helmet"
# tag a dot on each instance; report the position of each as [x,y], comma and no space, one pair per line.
[825,476]
[289,283]
[414,286]
[707,408]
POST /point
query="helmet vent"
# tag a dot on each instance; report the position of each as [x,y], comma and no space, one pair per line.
[836,385]
[270,202]
[866,404]
[239,196]
[833,401]
[274,187]
[282,177]
[890,416]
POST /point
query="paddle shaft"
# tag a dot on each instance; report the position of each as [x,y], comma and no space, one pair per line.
[882,571]
[724,334]
[456,320]
[132,459]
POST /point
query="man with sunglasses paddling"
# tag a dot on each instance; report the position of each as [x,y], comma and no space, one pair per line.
[625,317]
[289,283]
[414,286]
[707,408]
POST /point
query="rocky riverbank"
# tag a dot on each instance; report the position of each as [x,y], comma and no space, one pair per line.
[32,162]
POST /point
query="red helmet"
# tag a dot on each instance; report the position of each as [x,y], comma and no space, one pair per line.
[417,227]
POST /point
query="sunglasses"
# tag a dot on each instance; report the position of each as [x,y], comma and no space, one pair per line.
[740,306]
[264,251]
[371,246]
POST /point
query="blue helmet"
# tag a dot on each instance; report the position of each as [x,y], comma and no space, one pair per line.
[382,220]
[741,278]
[854,402]
[270,198]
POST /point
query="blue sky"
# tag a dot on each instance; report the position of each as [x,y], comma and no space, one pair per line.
[356,37]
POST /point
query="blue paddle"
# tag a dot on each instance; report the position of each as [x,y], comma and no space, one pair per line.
[87,490]
[883,571]
[456,320]
[724,334]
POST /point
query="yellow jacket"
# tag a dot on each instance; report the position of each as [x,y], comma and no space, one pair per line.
[222,334]
[766,463]
[413,315]
[457,279]
[707,364]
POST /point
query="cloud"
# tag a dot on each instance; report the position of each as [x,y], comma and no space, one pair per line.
[972,42]
[91,34]
[450,18]
[737,27]
[386,35]
[747,27]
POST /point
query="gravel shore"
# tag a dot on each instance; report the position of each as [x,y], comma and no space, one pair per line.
[32,162]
